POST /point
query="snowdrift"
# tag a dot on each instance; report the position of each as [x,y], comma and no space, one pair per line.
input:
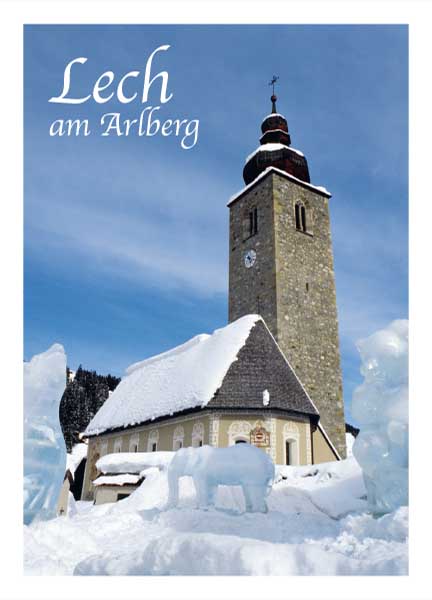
[317,524]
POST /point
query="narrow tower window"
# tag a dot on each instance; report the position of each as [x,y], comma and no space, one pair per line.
[297,216]
[250,223]
[300,217]
[253,221]
[303,218]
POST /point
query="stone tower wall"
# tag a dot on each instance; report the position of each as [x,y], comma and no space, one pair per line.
[253,291]
[307,323]
[294,279]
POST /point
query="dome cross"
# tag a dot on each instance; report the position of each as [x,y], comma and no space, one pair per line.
[274,97]
[273,81]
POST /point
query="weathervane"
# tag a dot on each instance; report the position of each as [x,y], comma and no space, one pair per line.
[273,81]
[274,98]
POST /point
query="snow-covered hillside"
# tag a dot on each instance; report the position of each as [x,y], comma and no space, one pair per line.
[317,524]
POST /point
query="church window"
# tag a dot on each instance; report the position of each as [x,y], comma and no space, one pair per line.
[253,221]
[134,443]
[297,216]
[239,431]
[178,438]
[289,453]
[300,217]
[197,434]
[291,437]
[250,223]
[303,218]
[153,440]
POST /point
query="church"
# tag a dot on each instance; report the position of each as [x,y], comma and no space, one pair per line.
[272,376]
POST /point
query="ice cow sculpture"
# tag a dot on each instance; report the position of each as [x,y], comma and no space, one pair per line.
[380,406]
[240,465]
[44,446]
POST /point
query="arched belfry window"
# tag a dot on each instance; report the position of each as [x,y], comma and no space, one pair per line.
[300,217]
[297,216]
[303,218]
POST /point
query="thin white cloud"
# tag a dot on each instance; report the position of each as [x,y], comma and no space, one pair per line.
[167,233]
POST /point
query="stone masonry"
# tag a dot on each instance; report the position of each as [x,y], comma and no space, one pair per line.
[292,286]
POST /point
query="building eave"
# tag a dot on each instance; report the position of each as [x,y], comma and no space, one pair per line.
[206,411]
[274,170]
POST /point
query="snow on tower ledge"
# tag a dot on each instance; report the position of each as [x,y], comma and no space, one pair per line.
[316,188]
[183,378]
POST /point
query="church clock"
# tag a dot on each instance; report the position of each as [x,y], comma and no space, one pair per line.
[250,258]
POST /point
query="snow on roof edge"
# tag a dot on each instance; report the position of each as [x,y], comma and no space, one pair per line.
[272,147]
[320,189]
[74,458]
[273,115]
[117,479]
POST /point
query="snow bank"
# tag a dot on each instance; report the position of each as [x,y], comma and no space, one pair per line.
[137,536]
[44,446]
[182,378]
[380,406]
[133,462]
[335,488]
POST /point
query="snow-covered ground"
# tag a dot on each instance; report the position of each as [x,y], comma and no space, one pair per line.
[317,524]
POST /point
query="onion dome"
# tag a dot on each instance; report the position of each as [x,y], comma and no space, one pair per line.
[275,150]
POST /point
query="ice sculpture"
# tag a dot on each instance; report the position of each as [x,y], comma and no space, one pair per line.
[380,407]
[242,465]
[44,446]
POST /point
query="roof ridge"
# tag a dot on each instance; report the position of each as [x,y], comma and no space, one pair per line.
[184,377]
[190,343]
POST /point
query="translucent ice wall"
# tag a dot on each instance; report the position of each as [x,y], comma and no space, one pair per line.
[380,407]
[44,446]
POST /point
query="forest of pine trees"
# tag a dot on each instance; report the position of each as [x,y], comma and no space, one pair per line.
[82,398]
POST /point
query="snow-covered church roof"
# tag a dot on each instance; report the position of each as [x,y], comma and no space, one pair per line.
[182,378]
[190,376]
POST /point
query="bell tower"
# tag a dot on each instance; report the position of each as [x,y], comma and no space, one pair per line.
[281,266]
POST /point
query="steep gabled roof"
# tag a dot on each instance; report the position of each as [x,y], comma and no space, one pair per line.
[262,367]
[229,369]
[183,378]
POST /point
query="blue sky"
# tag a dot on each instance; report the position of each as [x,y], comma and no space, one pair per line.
[126,238]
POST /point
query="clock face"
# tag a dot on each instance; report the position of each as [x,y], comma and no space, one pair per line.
[250,258]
